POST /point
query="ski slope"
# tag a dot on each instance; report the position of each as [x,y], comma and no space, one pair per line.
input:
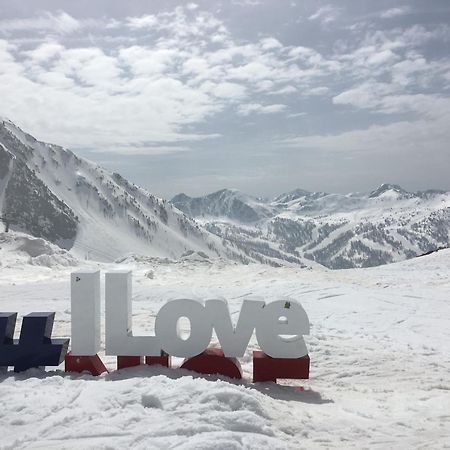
[379,348]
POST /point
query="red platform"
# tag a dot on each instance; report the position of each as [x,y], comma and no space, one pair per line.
[163,360]
[124,362]
[213,362]
[92,364]
[266,368]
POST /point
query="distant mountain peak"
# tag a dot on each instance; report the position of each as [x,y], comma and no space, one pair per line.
[225,203]
[297,194]
[180,197]
[291,195]
[385,187]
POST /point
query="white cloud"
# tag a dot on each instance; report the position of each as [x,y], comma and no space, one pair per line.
[295,115]
[148,61]
[387,74]
[146,21]
[58,23]
[386,98]
[319,90]
[270,43]
[284,90]
[264,85]
[325,14]
[141,93]
[404,137]
[196,65]
[227,90]
[381,57]
[81,100]
[142,150]
[45,51]
[253,70]
[395,12]
[399,38]
[246,2]
[367,95]
[246,109]
[181,67]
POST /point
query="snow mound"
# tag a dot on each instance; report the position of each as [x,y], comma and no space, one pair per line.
[19,249]
[134,258]
[189,256]
[142,408]
[35,247]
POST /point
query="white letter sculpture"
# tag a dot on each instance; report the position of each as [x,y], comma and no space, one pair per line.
[233,340]
[167,328]
[85,312]
[279,325]
[118,330]
[281,328]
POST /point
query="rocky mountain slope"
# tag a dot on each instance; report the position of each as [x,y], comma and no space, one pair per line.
[335,230]
[49,192]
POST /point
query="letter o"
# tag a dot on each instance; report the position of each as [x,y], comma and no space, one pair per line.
[166,328]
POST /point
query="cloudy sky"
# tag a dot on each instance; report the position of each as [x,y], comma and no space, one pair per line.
[260,95]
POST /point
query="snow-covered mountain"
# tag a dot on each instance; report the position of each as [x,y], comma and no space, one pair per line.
[226,203]
[336,230]
[49,192]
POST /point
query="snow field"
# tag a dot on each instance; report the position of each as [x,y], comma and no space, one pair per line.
[379,365]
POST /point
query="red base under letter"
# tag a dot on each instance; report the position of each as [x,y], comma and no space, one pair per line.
[92,364]
[128,361]
[163,360]
[212,361]
[266,368]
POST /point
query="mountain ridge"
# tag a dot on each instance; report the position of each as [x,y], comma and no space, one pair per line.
[339,231]
[52,193]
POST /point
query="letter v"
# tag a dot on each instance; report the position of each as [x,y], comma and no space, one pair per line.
[234,341]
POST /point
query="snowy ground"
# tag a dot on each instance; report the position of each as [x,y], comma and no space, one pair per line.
[379,347]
